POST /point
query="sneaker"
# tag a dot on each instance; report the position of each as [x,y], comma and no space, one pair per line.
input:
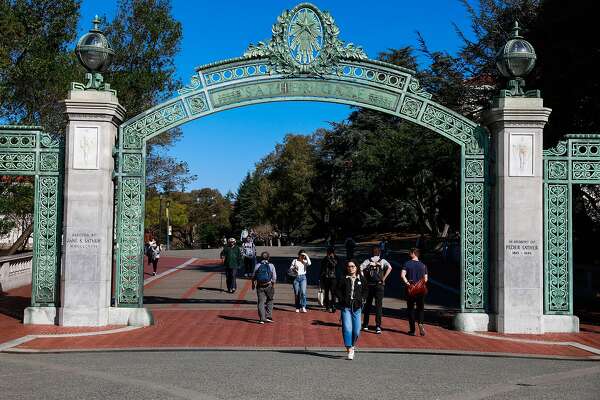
[261,322]
[303,309]
[351,354]
[365,328]
[269,320]
[154,274]
[378,330]
[411,333]
[421,330]
[332,310]
[297,310]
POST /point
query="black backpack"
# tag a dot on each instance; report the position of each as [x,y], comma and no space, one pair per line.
[374,273]
[263,273]
[329,266]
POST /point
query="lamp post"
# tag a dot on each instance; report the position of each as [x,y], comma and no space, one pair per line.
[515,60]
[168,226]
[160,197]
[95,54]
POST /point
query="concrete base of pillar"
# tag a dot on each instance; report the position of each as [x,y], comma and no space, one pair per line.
[472,322]
[560,324]
[82,316]
[522,323]
[40,316]
[130,316]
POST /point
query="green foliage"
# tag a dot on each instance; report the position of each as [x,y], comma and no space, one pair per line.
[146,39]
[36,64]
[16,204]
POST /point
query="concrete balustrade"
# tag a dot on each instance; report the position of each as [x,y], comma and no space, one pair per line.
[15,271]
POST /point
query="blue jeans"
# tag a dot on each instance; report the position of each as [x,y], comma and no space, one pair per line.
[350,325]
[300,291]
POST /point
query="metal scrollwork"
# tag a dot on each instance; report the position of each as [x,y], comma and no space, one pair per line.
[474,251]
[305,41]
[557,253]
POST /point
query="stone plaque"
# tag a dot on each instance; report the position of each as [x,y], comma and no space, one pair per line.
[522,247]
[85,148]
[521,155]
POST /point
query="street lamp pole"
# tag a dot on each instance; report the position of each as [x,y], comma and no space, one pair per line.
[168,226]
[160,197]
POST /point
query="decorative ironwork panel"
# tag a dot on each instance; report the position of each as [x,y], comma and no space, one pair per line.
[49,162]
[132,163]
[586,170]
[46,252]
[474,168]
[17,162]
[558,169]
[197,103]
[475,247]
[411,107]
[130,241]
[445,122]
[574,160]
[137,131]
[558,198]
[26,150]
[17,141]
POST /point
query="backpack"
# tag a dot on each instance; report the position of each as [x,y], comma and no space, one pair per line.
[248,249]
[263,273]
[374,272]
[329,266]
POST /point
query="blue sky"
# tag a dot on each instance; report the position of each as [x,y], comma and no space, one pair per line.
[223,147]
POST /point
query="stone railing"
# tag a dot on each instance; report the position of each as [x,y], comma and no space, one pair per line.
[15,271]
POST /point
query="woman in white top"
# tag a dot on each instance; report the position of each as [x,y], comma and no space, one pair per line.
[298,269]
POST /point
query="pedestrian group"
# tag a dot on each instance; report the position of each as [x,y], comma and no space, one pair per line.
[353,293]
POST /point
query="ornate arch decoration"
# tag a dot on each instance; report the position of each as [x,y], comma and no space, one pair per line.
[304,61]
[575,160]
[29,151]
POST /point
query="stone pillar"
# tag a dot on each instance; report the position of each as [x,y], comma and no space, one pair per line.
[94,118]
[517,124]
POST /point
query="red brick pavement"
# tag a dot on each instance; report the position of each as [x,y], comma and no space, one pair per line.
[233,327]
[315,329]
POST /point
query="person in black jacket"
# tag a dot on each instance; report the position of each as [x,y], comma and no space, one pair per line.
[328,279]
[351,291]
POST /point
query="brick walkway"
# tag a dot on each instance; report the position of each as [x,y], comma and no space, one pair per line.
[191,311]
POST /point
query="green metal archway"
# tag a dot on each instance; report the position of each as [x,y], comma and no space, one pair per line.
[304,61]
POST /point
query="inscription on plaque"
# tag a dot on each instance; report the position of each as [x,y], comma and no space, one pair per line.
[300,88]
[521,155]
[83,240]
[85,148]
[522,247]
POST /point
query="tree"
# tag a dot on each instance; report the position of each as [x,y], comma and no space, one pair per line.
[146,39]
[16,209]
[36,64]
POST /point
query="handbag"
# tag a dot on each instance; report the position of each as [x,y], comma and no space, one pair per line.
[417,289]
[320,297]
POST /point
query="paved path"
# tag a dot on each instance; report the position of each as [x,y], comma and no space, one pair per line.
[193,312]
[284,374]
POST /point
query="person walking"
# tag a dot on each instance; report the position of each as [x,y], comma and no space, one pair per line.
[263,280]
[351,292]
[298,271]
[153,253]
[376,270]
[249,252]
[328,279]
[412,272]
[232,259]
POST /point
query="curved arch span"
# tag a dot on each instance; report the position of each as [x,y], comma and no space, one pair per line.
[286,69]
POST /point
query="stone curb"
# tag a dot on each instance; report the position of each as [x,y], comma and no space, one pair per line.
[307,350]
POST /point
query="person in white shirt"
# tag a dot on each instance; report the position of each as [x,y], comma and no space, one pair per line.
[298,270]
[376,270]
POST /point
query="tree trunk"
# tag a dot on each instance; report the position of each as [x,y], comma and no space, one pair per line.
[21,241]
